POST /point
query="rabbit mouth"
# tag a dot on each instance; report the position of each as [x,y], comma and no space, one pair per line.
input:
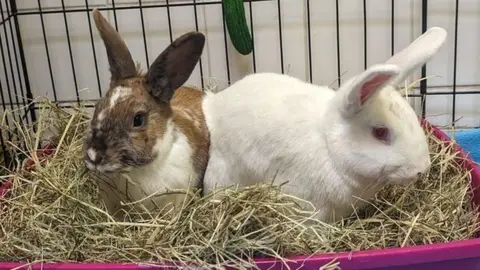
[105,168]
[404,178]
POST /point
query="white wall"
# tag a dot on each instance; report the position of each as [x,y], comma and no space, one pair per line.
[267,50]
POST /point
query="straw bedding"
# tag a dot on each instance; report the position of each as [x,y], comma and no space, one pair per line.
[52,214]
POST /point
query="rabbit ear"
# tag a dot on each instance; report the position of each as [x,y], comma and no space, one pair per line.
[357,92]
[417,53]
[174,65]
[119,58]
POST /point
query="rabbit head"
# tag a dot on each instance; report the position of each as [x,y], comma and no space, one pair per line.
[134,114]
[375,132]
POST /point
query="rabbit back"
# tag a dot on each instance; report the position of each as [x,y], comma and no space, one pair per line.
[274,118]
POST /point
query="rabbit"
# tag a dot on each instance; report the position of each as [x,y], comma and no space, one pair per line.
[333,149]
[148,133]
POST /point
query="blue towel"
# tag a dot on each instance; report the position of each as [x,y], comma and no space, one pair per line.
[469,141]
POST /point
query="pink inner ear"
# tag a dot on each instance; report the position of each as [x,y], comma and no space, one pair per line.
[370,86]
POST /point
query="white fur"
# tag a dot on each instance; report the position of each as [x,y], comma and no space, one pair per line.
[319,140]
[119,93]
[92,154]
[101,116]
[172,169]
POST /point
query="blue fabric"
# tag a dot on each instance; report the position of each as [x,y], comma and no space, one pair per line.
[469,141]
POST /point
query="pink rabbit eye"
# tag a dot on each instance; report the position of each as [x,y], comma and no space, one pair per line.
[381,133]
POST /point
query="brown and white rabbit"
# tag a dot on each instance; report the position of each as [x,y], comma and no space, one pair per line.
[148,133]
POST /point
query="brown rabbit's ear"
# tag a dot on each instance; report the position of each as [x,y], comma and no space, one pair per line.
[119,57]
[174,65]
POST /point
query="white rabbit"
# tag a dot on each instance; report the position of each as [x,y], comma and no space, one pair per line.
[331,146]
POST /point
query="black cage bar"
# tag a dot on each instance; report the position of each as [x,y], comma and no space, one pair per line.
[16,88]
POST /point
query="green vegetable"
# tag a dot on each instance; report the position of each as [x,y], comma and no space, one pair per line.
[237,26]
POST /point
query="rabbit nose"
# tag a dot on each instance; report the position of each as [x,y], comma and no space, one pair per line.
[94,156]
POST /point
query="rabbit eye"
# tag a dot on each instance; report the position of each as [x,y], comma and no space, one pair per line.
[138,120]
[381,133]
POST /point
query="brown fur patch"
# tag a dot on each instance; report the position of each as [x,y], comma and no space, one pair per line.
[158,116]
[118,119]
[185,109]
[188,116]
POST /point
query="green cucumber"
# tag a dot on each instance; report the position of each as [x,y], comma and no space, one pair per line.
[234,13]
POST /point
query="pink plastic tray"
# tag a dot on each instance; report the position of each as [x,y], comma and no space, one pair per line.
[454,255]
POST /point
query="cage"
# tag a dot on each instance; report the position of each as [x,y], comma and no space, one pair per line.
[51,48]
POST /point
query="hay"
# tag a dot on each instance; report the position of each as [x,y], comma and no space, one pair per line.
[52,214]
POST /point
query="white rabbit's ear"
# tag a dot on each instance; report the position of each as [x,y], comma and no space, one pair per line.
[418,52]
[356,93]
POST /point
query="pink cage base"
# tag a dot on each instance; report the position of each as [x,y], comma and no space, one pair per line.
[458,254]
